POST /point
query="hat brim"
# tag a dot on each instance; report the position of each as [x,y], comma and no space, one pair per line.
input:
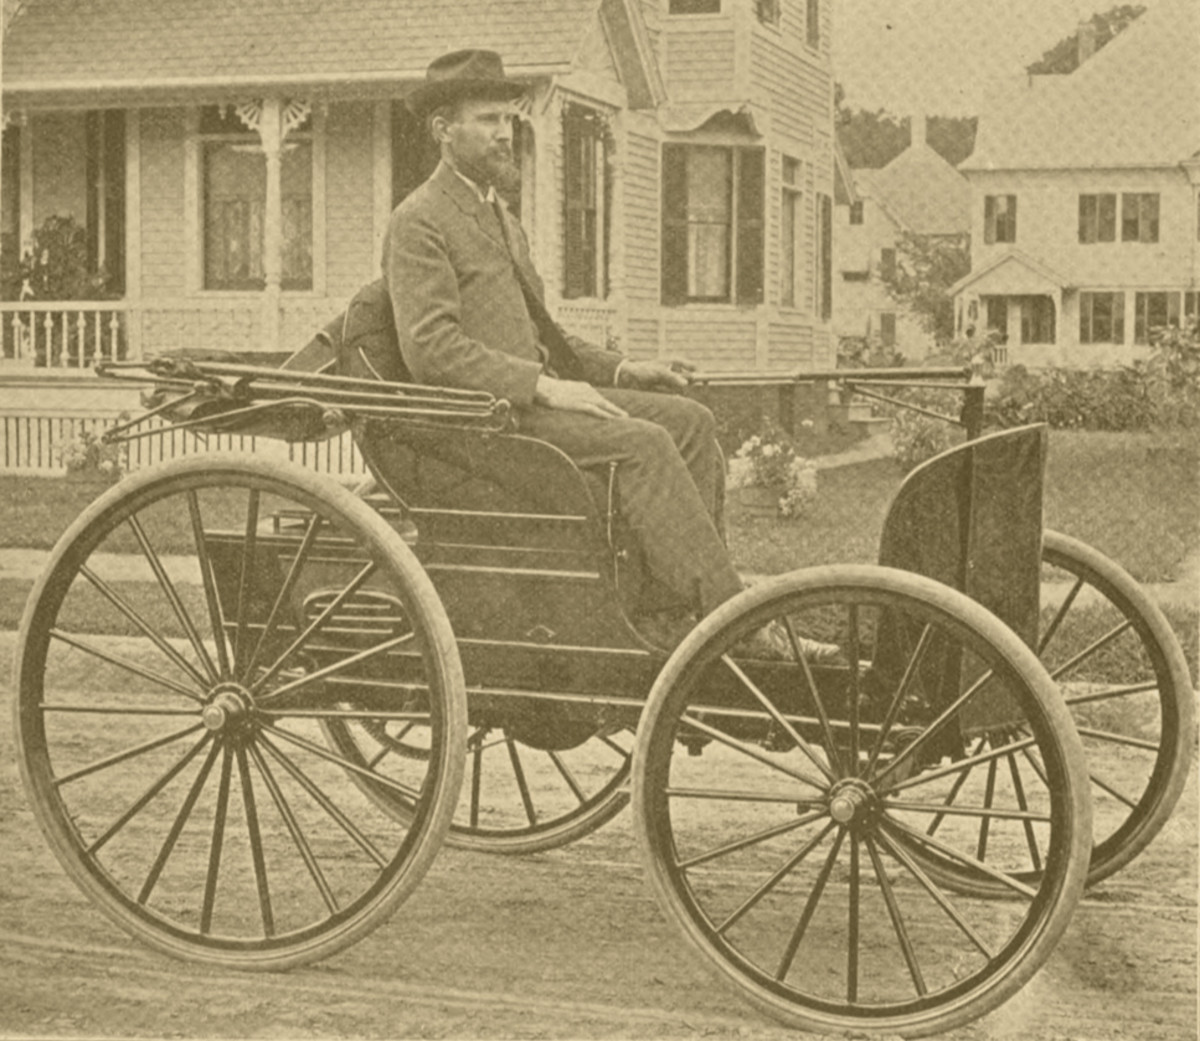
[429,96]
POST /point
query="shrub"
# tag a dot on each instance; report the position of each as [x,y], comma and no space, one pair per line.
[769,460]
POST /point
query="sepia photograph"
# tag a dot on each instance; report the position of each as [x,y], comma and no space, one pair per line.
[599,519]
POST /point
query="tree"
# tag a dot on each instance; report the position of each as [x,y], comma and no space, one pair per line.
[1063,57]
[873,139]
[920,280]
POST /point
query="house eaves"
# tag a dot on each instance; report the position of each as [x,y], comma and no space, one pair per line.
[86,51]
[1041,274]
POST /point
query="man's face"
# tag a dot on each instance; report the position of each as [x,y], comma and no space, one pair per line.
[478,142]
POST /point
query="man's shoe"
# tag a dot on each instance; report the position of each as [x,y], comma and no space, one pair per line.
[772,643]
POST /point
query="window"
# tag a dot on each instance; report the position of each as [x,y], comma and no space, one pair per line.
[887,263]
[887,328]
[585,204]
[234,172]
[813,24]
[1191,307]
[999,218]
[1101,317]
[695,7]
[1097,218]
[713,203]
[824,257]
[997,316]
[1037,319]
[768,11]
[1139,217]
[790,252]
[1153,311]
[856,212]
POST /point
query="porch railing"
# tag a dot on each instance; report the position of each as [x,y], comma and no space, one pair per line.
[64,336]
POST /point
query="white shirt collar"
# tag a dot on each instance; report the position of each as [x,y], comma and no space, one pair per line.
[489,196]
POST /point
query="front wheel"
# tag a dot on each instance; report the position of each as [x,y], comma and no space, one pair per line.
[797,819]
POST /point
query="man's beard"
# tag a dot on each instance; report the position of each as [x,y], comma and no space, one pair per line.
[499,169]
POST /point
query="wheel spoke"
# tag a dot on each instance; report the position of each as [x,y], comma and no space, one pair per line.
[778,716]
[898,926]
[327,804]
[476,782]
[249,543]
[172,595]
[285,591]
[1035,856]
[1014,884]
[129,753]
[962,764]
[567,776]
[312,628]
[217,844]
[254,834]
[346,764]
[818,702]
[126,664]
[736,795]
[1118,739]
[910,674]
[989,795]
[117,710]
[522,784]
[751,752]
[181,819]
[810,907]
[140,803]
[1112,692]
[751,840]
[336,667]
[606,739]
[127,609]
[1063,609]
[1091,649]
[940,898]
[943,810]
[294,829]
[936,726]
[216,617]
[955,788]
[1106,786]
[855,686]
[779,875]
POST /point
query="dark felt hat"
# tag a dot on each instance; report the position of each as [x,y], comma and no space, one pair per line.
[462,74]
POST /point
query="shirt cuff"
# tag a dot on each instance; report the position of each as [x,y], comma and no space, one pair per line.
[617,373]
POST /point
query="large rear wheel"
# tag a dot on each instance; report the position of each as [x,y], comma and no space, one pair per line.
[171,688]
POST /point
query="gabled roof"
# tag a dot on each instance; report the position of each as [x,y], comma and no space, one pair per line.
[920,191]
[1013,272]
[86,45]
[1135,103]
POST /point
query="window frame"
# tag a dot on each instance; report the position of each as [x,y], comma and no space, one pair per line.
[692,14]
[812,24]
[1146,218]
[202,138]
[1093,221]
[593,282]
[857,213]
[791,233]
[769,12]
[1173,307]
[823,256]
[1087,317]
[1000,227]
[745,247]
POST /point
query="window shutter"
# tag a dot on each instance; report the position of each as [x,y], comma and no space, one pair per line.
[826,257]
[1012,219]
[887,263]
[674,224]
[989,219]
[751,204]
[574,263]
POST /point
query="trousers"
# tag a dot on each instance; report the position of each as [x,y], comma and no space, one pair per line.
[670,479]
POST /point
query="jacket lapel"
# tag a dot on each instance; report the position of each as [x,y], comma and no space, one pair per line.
[463,196]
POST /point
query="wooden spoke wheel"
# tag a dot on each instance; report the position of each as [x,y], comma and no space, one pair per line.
[172,691]
[517,797]
[798,819]
[1125,679]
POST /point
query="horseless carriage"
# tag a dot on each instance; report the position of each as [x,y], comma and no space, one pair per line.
[253,704]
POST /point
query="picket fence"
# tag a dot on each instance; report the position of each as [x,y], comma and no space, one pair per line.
[35,444]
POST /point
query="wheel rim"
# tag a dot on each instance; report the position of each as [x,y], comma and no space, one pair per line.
[798,858]
[1123,675]
[170,704]
[515,798]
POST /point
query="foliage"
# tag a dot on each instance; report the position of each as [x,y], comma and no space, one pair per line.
[769,460]
[917,437]
[1174,370]
[58,267]
[925,269]
[1063,57]
[87,454]
[873,139]
[861,352]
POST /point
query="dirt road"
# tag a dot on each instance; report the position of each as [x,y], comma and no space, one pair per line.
[562,944]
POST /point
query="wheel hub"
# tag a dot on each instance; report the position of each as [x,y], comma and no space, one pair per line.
[228,708]
[851,801]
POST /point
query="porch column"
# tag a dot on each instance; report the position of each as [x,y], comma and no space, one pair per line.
[270,129]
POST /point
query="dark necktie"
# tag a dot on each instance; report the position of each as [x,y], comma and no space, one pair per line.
[561,360]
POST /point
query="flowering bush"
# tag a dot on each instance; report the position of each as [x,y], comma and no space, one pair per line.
[770,461]
[88,455]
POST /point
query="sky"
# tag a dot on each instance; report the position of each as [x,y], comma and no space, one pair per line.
[941,57]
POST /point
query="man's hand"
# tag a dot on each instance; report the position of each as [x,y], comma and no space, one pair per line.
[574,396]
[655,375]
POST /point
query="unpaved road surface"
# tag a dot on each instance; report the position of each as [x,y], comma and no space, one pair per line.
[562,944]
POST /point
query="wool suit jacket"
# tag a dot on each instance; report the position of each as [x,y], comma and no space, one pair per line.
[463,317]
